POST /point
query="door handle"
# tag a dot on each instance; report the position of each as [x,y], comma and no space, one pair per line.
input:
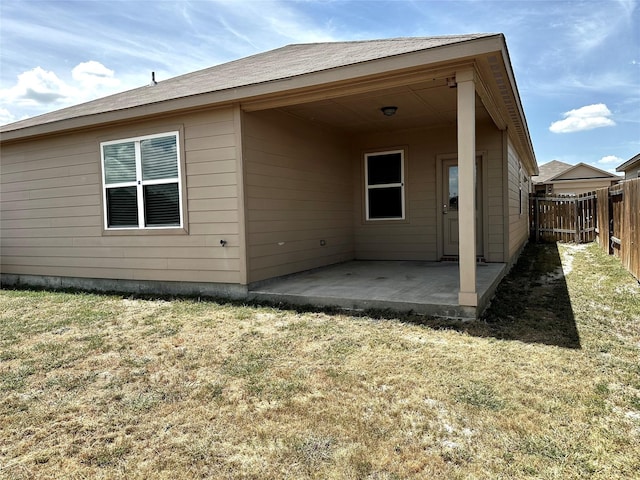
[444,210]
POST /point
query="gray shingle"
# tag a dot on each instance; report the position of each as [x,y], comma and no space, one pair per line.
[550,170]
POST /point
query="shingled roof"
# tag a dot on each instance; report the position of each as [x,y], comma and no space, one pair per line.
[282,63]
[631,163]
[553,172]
[550,170]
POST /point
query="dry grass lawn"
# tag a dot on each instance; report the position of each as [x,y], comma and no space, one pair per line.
[546,386]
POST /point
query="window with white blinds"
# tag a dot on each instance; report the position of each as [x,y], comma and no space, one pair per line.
[141,182]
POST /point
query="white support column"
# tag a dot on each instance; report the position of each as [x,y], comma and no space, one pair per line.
[468,295]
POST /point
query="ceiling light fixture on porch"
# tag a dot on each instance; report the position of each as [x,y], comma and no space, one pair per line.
[389,111]
[451,82]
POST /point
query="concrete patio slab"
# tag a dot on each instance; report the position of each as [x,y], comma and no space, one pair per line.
[428,288]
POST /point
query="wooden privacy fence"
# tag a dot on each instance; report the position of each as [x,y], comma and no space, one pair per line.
[563,218]
[618,226]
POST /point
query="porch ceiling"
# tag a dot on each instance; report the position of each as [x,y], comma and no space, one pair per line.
[429,103]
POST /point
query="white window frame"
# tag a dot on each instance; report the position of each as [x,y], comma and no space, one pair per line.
[139,183]
[368,187]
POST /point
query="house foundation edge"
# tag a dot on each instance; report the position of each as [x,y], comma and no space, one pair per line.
[141,287]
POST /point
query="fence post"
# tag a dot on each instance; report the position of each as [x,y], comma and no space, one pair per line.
[610,227]
[537,220]
[576,236]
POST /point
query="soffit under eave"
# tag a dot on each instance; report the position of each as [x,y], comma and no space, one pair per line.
[300,93]
[494,70]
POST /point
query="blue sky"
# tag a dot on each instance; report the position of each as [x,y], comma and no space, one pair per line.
[577,63]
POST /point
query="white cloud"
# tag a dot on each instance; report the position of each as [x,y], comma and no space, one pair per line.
[38,90]
[611,159]
[92,74]
[36,87]
[6,116]
[584,118]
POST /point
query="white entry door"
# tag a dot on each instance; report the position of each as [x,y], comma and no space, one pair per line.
[449,212]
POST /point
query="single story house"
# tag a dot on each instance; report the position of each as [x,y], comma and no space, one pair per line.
[630,168]
[561,178]
[386,159]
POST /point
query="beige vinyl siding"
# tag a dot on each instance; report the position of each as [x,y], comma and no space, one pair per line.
[416,237]
[581,172]
[518,222]
[52,216]
[581,179]
[631,173]
[298,190]
[575,187]
[489,144]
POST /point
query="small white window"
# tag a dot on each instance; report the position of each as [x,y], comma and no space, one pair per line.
[384,184]
[141,182]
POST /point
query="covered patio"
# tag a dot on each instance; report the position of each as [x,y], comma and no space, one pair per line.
[357,194]
[426,288]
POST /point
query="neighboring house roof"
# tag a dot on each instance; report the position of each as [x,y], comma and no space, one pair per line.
[549,170]
[630,164]
[557,171]
[281,63]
